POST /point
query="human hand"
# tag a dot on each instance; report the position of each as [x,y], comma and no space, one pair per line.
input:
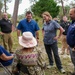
[56,38]
[1,33]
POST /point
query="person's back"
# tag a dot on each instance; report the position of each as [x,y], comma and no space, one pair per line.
[29,57]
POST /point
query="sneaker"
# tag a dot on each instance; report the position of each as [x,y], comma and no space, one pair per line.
[49,66]
[62,70]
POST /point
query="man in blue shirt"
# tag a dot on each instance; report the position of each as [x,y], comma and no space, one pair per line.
[28,24]
[71,37]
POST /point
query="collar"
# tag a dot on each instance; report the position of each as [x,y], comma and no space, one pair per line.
[28,21]
[73,21]
[4,19]
[48,22]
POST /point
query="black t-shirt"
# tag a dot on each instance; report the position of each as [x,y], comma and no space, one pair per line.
[65,26]
[6,26]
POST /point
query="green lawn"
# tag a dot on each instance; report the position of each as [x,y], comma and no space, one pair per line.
[66,62]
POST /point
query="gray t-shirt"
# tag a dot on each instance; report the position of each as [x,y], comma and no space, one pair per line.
[50,30]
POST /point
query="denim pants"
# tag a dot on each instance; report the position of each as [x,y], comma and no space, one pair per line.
[72,53]
[53,48]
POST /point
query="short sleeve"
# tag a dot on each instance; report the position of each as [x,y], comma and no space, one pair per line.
[56,25]
[1,52]
[36,27]
[19,27]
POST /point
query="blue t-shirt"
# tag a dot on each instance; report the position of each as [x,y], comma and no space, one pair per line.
[8,62]
[50,30]
[31,26]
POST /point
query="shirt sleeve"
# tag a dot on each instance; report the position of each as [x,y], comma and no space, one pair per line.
[15,62]
[19,27]
[36,27]
[41,58]
[1,52]
[56,25]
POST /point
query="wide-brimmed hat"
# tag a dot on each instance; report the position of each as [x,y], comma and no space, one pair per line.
[27,40]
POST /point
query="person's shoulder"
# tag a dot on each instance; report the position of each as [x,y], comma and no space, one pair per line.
[9,20]
[23,20]
[18,51]
[33,21]
[0,19]
[53,21]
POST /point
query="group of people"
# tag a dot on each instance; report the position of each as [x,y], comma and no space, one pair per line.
[28,60]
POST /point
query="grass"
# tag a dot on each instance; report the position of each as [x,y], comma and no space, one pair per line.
[53,71]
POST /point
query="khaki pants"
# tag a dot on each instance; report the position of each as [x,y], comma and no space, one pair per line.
[64,44]
[7,41]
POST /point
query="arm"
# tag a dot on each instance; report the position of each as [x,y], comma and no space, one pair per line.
[5,58]
[13,28]
[18,33]
[61,31]
[43,32]
[14,64]
[37,36]
[1,33]
[41,58]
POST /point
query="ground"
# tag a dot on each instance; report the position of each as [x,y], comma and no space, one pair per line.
[66,62]
[65,59]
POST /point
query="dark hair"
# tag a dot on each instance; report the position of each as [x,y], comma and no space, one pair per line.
[28,12]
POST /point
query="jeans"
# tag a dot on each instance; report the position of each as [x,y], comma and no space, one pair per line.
[53,48]
[72,53]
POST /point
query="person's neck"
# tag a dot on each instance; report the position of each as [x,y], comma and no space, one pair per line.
[47,21]
[27,49]
[29,20]
[5,18]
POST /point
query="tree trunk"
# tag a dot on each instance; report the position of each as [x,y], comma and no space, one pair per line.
[5,6]
[14,18]
[63,7]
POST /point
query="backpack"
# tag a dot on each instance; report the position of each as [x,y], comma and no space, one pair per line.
[71,35]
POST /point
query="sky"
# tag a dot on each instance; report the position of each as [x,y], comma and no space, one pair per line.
[24,5]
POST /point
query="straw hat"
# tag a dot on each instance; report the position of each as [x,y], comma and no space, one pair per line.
[27,40]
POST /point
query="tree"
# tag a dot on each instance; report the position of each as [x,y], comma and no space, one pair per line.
[45,5]
[16,6]
[67,8]
[5,4]
[1,5]
[72,3]
[62,4]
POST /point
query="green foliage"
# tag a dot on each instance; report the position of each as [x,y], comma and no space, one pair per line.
[45,5]
[1,5]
